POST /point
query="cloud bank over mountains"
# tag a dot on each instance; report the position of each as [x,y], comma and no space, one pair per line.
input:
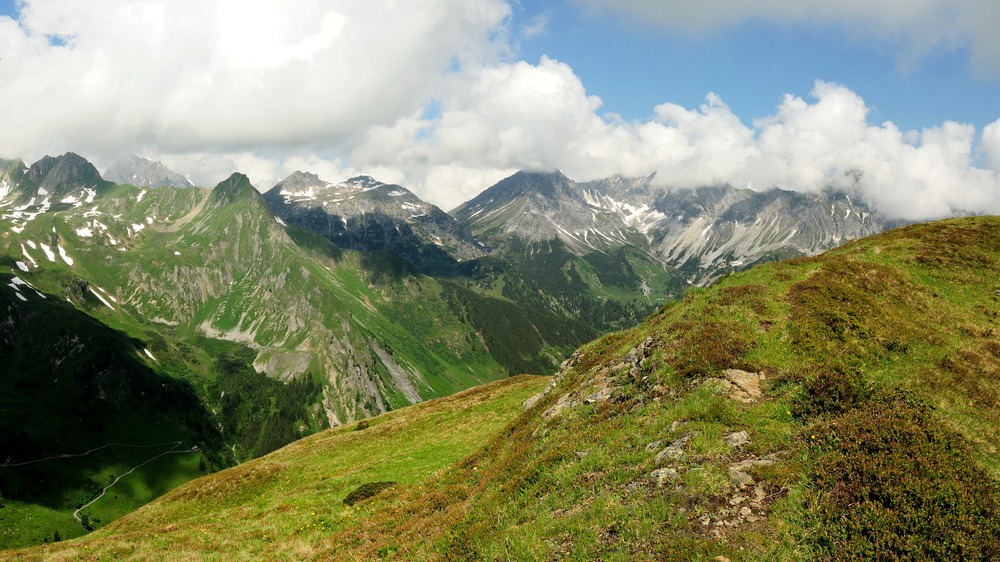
[429,94]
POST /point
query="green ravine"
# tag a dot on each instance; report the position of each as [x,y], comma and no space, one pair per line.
[836,407]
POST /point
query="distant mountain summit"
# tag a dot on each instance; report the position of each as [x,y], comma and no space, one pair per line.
[535,207]
[365,214]
[235,187]
[142,172]
[51,183]
[702,232]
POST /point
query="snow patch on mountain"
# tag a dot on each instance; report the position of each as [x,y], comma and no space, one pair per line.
[48,252]
[62,254]
[100,298]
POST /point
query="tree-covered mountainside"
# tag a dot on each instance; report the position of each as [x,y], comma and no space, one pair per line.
[836,407]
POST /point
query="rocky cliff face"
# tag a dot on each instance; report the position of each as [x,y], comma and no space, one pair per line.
[710,231]
[11,175]
[62,177]
[52,181]
[543,206]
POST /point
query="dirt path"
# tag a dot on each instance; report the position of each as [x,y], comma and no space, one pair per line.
[171,451]
[69,456]
[188,217]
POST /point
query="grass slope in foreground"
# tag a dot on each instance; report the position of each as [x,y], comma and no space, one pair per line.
[286,504]
[837,407]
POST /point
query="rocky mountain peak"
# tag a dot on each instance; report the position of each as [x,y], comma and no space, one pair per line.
[703,232]
[550,185]
[362,213]
[299,182]
[364,182]
[52,172]
[143,172]
[60,176]
[11,174]
[234,187]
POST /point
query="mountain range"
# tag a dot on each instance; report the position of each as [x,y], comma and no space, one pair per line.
[265,318]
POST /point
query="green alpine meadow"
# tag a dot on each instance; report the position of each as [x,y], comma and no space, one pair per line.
[842,406]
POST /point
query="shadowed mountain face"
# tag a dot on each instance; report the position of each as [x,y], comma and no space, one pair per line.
[66,179]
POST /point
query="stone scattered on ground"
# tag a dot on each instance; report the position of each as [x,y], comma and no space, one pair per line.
[737,470]
[565,367]
[662,476]
[565,402]
[673,452]
[737,438]
[742,386]
[602,395]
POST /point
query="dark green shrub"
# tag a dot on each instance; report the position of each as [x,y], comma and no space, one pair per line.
[750,295]
[365,491]
[705,348]
[902,487]
[829,391]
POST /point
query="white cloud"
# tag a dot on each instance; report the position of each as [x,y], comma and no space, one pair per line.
[915,26]
[991,144]
[224,75]
[517,115]
[538,25]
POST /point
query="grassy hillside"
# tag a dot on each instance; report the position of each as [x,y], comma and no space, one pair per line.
[837,407]
[280,506]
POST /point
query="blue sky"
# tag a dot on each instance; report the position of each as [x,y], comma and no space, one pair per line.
[894,101]
[751,66]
